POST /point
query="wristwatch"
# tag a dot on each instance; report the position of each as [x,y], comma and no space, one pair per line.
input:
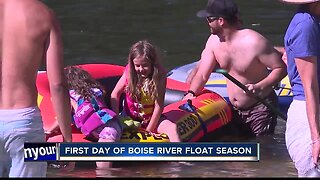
[190,92]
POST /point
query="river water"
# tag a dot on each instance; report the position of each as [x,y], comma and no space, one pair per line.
[101,31]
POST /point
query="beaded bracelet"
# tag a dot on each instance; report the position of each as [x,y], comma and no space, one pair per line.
[317,140]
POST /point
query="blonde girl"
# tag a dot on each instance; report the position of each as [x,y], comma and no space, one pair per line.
[144,83]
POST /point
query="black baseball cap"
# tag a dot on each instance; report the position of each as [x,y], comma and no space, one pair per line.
[219,8]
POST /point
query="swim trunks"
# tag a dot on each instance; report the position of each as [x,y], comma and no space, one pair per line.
[258,119]
[17,127]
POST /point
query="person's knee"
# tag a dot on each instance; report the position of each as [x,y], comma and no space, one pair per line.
[166,126]
[110,134]
[170,129]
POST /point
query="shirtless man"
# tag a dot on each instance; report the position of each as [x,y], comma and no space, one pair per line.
[29,35]
[193,72]
[246,55]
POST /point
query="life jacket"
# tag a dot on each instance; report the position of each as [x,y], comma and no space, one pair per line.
[90,114]
[141,110]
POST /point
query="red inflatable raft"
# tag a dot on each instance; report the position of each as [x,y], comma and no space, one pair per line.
[209,110]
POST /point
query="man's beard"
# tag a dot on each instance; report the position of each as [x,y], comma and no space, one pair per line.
[214,31]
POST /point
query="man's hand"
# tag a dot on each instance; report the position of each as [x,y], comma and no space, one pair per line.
[188,96]
[253,90]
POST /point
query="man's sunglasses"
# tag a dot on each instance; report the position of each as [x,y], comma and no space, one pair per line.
[210,19]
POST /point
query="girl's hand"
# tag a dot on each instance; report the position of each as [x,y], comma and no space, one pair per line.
[52,133]
[151,131]
[147,131]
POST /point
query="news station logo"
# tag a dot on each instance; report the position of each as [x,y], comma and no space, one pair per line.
[40,151]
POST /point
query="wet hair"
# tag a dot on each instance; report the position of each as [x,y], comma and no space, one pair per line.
[144,50]
[82,82]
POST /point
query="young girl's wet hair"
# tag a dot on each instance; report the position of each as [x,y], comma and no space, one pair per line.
[82,82]
[144,50]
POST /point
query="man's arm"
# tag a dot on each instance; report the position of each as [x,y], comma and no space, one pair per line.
[282,51]
[206,65]
[271,58]
[57,81]
[192,73]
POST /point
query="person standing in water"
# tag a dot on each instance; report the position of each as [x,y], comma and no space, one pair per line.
[29,36]
[302,45]
[247,56]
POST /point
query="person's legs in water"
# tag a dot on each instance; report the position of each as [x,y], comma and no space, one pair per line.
[109,132]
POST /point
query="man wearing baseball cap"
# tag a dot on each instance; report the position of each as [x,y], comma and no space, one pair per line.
[302,44]
[226,9]
[244,54]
